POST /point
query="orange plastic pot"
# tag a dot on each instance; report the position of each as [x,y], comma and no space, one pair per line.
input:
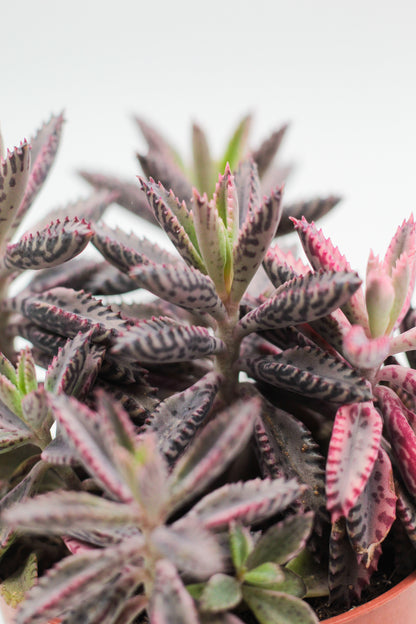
[396,605]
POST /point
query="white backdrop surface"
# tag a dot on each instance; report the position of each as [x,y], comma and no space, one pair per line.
[341,72]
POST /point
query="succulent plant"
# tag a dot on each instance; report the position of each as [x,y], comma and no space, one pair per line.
[192,430]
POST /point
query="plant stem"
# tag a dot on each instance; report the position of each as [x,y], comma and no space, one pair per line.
[226,362]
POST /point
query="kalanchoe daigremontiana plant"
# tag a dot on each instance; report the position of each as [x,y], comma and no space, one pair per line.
[163,164]
[132,546]
[54,239]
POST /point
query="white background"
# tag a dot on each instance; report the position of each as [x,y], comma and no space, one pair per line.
[342,72]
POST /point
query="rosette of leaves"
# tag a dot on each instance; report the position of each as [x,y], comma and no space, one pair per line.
[136,543]
[25,432]
[163,163]
[368,476]
[260,580]
[54,239]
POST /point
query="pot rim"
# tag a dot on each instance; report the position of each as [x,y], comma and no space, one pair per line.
[348,616]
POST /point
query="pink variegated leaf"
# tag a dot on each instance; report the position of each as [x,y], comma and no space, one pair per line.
[35,413]
[400,433]
[66,312]
[93,441]
[114,413]
[311,372]
[247,502]
[403,277]
[225,200]
[176,220]
[193,549]
[374,512]
[57,243]
[403,242]
[322,254]
[14,176]
[170,602]
[264,155]
[57,513]
[162,340]
[365,352]
[203,163]
[254,239]
[398,377]
[74,369]
[182,285]
[301,300]
[406,511]
[128,194]
[60,453]
[82,575]
[217,445]
[282,266]
[178,418]
[352,453]
[45,146]
[311,210]
[348,574]
[213,243]
[13,438]
[248,188]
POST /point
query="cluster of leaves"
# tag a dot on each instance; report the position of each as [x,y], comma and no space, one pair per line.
[206,530]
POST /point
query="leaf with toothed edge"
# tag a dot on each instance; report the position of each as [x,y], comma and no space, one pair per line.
[311,372]
[282,266]
[92,438]
[14,176]
[374,512]
[301,300]
[248,188]
[219,442]
[312,210]
[177,419]
[65,311]
[248,502]
[163,340]
[264,155]
[176,220]
[182,285]
[352,453]
[322,254]
[253,241]
[400,434]
[57,243]
[26,372]
[170,602]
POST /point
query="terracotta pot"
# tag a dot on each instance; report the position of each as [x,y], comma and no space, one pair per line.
[396,605]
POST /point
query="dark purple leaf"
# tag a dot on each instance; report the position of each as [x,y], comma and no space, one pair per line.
[264,155]
[170,602]
[312,210]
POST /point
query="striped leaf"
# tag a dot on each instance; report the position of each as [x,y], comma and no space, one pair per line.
[371,518]
[248,188]
[176,220]
[312,372]
[398,377]
[55,244]
[248,502]
[178,418]
[66,312]
[281,266]
[13,438]
[170,602]
[348,574]
[162,340]
[322,254]
[74,369]
[400,434]
[14,176]
[125,251]
[157,166]
[35,413]
[263,156]
[219,442]
[44,147]
[286,448]
[57,513]
[352,453]
[93,440]
[311,210]
[302,300]
[181,285]
[253,241]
